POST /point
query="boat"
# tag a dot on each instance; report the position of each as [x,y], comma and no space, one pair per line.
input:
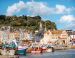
[21,50]
[44,48]
[29,50]
[36,50]
[50,48]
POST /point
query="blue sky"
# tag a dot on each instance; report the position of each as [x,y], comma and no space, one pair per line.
[62,12]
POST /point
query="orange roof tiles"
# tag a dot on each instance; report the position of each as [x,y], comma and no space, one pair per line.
[56,31]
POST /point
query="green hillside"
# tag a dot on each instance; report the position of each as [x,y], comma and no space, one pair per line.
[26,22]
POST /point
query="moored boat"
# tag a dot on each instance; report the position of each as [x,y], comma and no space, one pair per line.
[21,50]
[50,48]
[36,50]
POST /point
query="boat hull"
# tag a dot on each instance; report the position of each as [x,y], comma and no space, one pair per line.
[35,52]
[21,52]
[49,50]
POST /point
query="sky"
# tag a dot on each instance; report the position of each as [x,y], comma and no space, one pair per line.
[62,12]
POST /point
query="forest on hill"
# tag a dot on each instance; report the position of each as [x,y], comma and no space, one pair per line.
[26,22]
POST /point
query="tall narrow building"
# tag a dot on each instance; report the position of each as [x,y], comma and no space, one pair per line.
[45,28]
[40,27]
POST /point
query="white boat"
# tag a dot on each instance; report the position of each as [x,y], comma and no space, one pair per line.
[49,50]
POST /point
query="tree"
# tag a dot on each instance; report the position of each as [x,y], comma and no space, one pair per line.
[27,22]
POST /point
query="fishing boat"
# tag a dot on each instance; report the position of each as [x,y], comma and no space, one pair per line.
[44,48]
[29,50]
[50,49]
[36,50]
[21,50]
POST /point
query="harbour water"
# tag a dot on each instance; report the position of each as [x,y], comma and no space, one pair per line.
[57,54]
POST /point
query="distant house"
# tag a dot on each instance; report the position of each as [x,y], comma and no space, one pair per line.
[64,38]
[17,34]
[47,37]
[56,34]
[61,36]
[1,36]
[72,36]
[69,32]
[11,36]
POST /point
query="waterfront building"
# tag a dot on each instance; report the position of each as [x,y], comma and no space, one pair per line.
[47,37]
[5,35]
[1,35]
[64,38]
[11,36]
[26,35]
[72,39]
[55,35]
[17,34]
[21,35]
[40,27]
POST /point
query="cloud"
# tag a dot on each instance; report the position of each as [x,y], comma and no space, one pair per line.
[68,21]
[15,8]
[38,8]
[43,9]
[61,9]
[67,18]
